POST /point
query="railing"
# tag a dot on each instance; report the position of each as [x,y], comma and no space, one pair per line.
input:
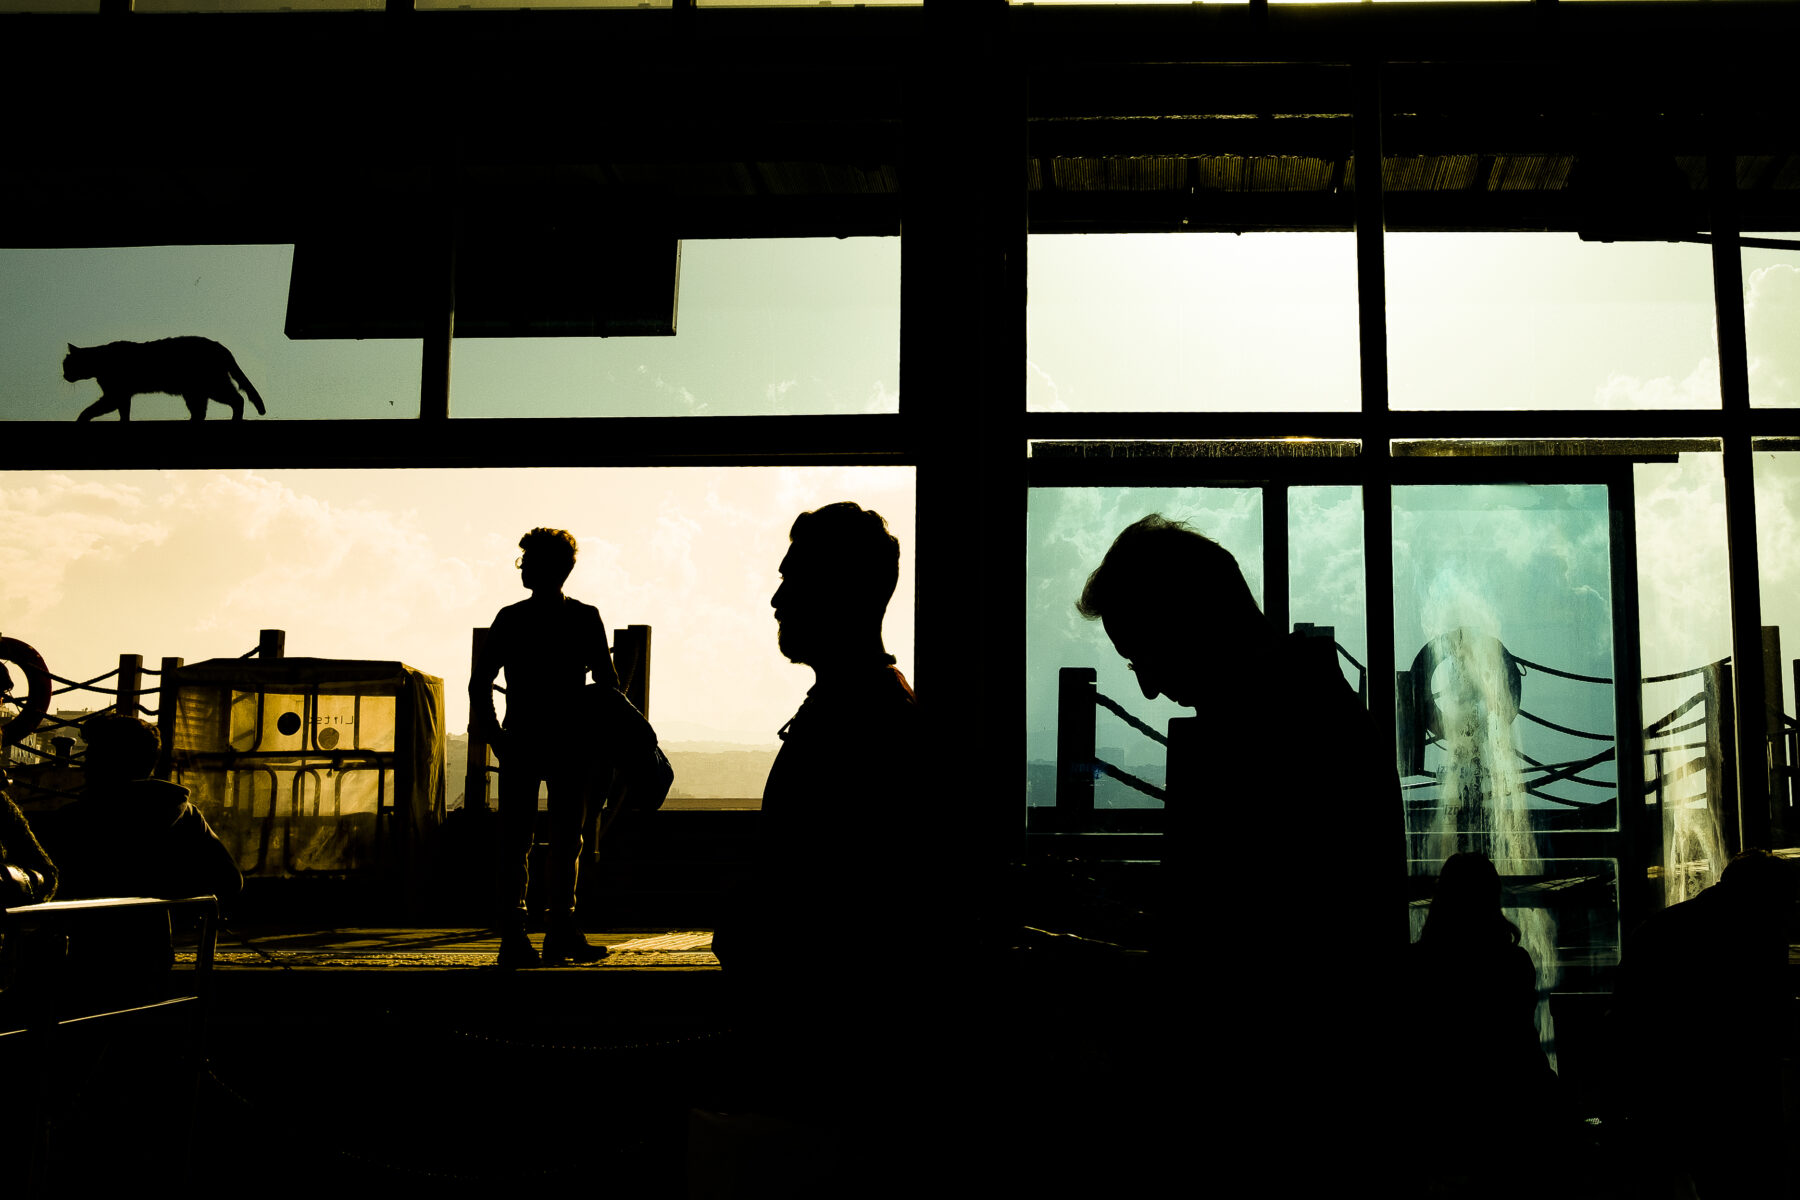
[128,693]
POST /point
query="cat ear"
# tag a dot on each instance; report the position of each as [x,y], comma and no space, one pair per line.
[71,347]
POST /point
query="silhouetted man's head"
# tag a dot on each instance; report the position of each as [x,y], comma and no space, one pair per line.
[549,557]
[840,571]
[1176,607]
[1761,882]
[119,748]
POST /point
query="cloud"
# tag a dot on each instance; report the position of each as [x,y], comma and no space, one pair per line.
[1699,389]
[1771,314]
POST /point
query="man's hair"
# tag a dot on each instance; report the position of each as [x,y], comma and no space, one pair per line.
[127,743]
[858,547]
[1155,555]
[551,545]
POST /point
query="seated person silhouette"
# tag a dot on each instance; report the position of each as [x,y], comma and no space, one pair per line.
[1472,993]
[1702,1017]
[132,835]
[1283,749]
[836,879]
[547,645]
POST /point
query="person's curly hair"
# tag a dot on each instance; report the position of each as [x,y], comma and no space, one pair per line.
[554,546]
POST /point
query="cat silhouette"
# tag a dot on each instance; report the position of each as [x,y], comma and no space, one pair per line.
[195,368]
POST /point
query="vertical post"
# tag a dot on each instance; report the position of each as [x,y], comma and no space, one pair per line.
[167,696]
[272,643]
[1075,691]
[131,684]
[1721,757]
[631,658]
[1377,460]
[475,772]
[962,334]
[1740,499]
[1775,740]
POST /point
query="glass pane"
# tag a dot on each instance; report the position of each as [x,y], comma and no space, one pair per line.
[1503,630]
[1684,630]
[1326,583]
[1069,530]
[233,296]
[1778,557]
[1771,321]
[1547,321]
[475,4]
[1192,322]
[795,325]
[398,565]
[211,6]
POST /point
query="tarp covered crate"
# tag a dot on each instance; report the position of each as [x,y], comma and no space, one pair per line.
[314,767]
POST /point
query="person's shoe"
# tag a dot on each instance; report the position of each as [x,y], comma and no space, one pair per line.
[570,945]
[516,951]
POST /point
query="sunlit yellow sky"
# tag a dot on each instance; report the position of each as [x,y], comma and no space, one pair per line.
[404,564]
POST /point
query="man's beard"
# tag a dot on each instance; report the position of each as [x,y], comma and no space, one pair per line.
[793,643]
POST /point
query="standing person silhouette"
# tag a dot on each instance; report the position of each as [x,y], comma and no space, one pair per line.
[547,645]
[839,875]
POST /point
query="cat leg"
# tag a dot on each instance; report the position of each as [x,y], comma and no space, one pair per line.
[230,399]
[106,404]
[196,406]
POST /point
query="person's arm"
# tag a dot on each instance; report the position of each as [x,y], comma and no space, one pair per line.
[484,722]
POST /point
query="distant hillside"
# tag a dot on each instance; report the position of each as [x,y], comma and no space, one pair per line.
[703,770]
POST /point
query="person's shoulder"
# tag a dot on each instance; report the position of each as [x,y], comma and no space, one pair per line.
[580,609]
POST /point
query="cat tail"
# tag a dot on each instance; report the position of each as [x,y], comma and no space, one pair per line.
[243,381]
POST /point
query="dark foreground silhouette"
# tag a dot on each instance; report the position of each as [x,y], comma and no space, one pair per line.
[1282,952]
[195,368]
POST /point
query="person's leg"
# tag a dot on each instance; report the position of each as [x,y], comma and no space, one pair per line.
[564,940]
[518,816]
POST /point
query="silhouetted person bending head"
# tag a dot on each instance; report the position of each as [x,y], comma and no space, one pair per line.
[1281,756]
[547,645]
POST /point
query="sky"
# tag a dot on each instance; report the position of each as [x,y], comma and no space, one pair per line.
[363,564]
[398,564]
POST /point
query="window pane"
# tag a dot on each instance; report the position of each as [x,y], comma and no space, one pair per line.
[1069,530]
[1192,322]
[1778,548]
[1684,630]
[1326,584]
[1771,322]
[402,565]
[793,326]
[1547,321]
[233,295]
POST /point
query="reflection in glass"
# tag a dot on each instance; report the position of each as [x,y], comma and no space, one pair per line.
[1504,640]
[1777,475]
